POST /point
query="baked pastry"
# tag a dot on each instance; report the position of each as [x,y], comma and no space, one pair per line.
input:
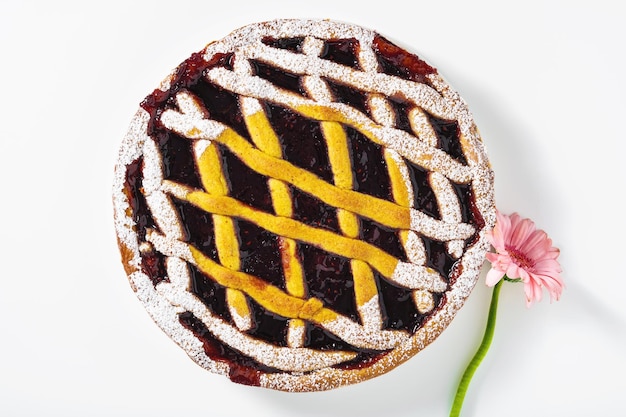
[303,205]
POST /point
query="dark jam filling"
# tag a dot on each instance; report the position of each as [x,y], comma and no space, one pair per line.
[343,93]
[398,307]
[212,294]
[133,186]
[396,61]
[315,337]
[302,141]
[401,109]
[466,198]
[448,134]
[268,326]
[279,77]
[342,51]
[259,253]
[198,227]
[438,258]
[469,211]
[178,160]
[245,184]
[329,278]
[153,265]
[243,369]
[424,198]
[382,237]
[369,168]
[310,210]
[290,44]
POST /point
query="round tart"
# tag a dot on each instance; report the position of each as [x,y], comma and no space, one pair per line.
[303,205]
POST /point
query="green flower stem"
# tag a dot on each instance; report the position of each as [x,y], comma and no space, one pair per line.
[480,353]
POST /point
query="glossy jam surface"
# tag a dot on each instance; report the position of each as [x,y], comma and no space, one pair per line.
[396,61]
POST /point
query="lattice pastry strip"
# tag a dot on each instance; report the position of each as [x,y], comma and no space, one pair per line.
[266,141]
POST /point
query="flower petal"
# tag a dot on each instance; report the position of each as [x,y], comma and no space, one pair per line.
[513,271]
[536,245]
[521,232]
[493,277]
[533,292]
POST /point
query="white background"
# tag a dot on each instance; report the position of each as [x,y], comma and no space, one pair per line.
[545,82]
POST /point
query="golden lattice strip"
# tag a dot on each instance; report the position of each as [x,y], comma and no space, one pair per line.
[210,169]
[260,129]
[209,164]
[366,294]
[402,194]
[341,164]
[398,177]
[266,140]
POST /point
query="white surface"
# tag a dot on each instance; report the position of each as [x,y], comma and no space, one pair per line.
[545,81]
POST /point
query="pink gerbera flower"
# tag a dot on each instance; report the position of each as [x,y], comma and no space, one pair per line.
[524,252]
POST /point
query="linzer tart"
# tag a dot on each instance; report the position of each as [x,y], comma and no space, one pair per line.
[302,205]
